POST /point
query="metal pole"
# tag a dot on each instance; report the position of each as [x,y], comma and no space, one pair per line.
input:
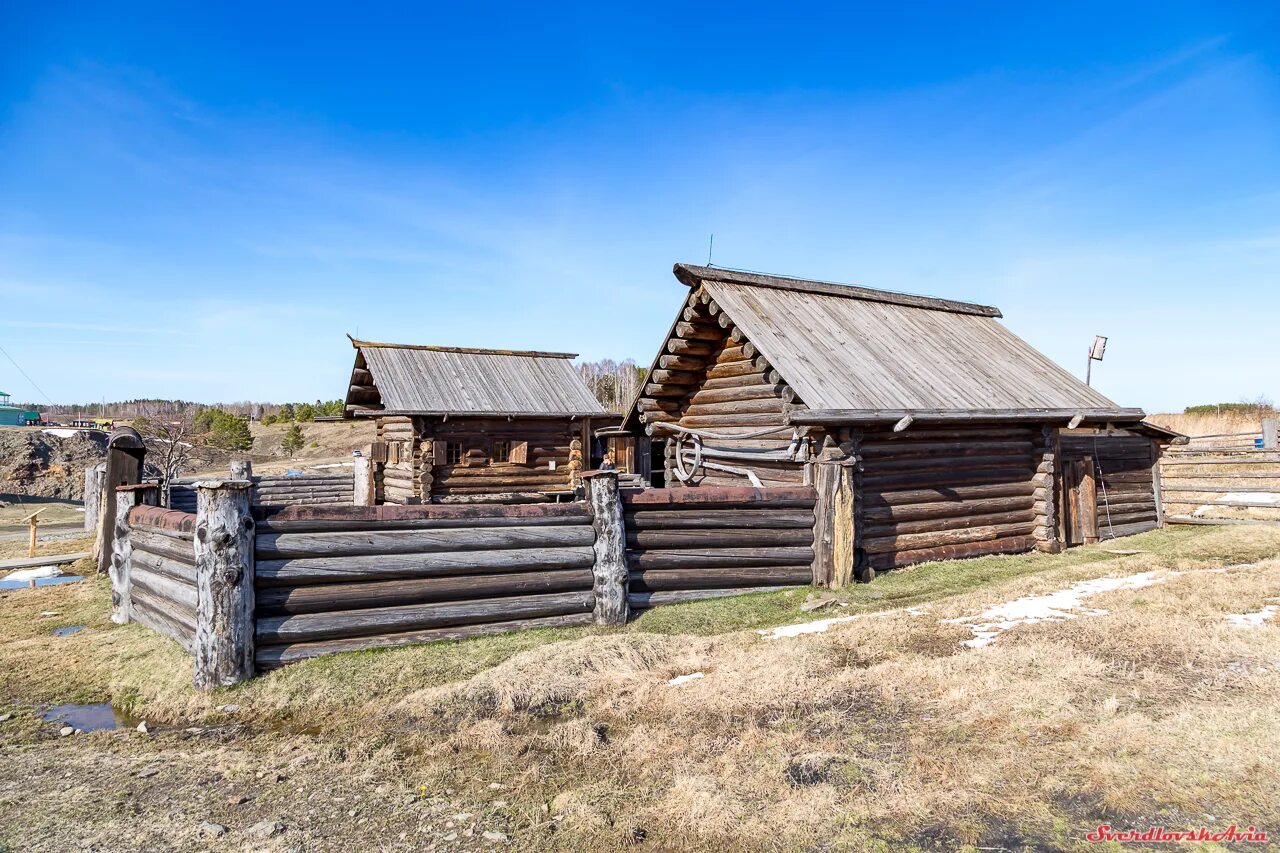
[1088,371]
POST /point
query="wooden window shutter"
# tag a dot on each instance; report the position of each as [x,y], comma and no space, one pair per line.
[439,452]
[378,451]
[393,453]
[519,452]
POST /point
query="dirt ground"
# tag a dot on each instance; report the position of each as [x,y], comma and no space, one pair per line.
[37,464]
[326,443]
[893,726]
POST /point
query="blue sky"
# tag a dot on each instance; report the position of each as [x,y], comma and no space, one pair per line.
[200,203]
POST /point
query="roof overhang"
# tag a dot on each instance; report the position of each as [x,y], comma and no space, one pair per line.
[893,416]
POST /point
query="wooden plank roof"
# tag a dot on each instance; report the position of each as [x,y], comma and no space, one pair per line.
[432,380]
[849,350]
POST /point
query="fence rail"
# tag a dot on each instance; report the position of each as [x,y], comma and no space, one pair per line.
[1221,484]
[330,489]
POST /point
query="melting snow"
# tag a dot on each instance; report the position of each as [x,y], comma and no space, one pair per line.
[820,626]
[1255,620]
[33,574]
[1054,607]
[1242,497]
[685,679]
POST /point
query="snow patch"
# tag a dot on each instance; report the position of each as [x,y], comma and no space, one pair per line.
[685,679]
[1272,498]
[34,574]
[1257,619]
[820,626]
[1053,607]
[61,433]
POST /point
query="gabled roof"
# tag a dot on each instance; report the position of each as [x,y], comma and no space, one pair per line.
[406,379]
[853,354]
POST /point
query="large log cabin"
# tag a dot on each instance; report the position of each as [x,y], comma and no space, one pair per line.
[956,437]
[459,424]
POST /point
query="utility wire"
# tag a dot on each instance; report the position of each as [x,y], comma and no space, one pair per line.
[28,378]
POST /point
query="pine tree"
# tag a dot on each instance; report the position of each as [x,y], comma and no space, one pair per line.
[293,440]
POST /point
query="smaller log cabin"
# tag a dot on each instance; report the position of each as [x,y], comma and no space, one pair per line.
[957,438]
[464,425]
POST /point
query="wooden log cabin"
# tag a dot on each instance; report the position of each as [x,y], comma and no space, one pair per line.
[463,425]
[954,437]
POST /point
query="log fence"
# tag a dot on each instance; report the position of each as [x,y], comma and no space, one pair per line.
[246,588]
[1222,484]
[327,489]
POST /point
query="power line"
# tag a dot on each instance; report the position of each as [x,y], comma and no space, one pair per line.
[28,378]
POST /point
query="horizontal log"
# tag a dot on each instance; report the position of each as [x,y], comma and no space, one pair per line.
[669,391]
[990,447]
[945,479]
[327,526]
[935,462]
[946,508]
[941,538]
[701,518]
[323,501]
[151,613]
[179,552]
[711,558]
[1130,529]
[703,539]
[681,362]
[165,521]
[684,346]
[671,579]
[725,370]
[674,377]
[1009,545]
[388,593]
[310,627]
[734,420]
[163,587]
[698,332]
[739,496]
[1219,488]
[646,600]
[572,512]
[873,530]
[765,405]
[183,572]
[1218,502]
[311,570]
[275,656]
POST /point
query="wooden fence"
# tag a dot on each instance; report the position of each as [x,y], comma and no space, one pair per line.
[1218,485]
[252,587]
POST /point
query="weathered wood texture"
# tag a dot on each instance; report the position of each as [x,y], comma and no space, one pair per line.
[951,492]
[539,456]
[337,488]
[224,537]
[610,567]
[162,571]
[684,543]
[1119,479]
[339,578]
[95,481]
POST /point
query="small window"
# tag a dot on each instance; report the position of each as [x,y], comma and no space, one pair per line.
[501,452]
[453,452]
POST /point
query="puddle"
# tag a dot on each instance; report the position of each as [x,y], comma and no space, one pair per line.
[50,581]
[67,631]
[99,716]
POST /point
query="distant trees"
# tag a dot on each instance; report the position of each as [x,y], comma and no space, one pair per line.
[613,383]
[1261,405]
[223,430]
[293,439]
[172,447]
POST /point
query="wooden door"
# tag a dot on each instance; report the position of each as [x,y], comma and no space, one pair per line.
[1078,498]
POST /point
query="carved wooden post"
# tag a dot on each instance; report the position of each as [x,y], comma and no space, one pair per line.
[364,487]
[125,454]
[224,646]
[242,469]
[120,571]
[833,533]
[610,567]
[1271,433]
[95,479]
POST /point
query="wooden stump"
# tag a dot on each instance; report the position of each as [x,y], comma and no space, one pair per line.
[95,479]
[364,485]
[242,469]
[610,568]
[833,528]
[224,542]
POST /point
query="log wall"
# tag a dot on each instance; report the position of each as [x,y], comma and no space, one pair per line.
[337,488]
[330,580]
[553,457]
[1123,475]
[943,493]
[711,377]
[399,449]
[162,571]
[686,544]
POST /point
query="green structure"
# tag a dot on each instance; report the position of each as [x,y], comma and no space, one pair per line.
[15,415]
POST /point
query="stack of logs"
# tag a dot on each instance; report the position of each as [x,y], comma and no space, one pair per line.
[162,574]
[688,544]
[395,479]
[947,493]
[278,490]
[711,377]
[331,580]
[362,392]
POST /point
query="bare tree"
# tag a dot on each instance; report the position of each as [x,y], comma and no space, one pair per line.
[173,446]
[613,383]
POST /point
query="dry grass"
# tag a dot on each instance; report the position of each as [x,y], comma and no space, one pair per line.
[1193,425]
[882,733]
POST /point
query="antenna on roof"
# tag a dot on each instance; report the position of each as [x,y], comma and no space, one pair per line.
[710,246]
[1096,352]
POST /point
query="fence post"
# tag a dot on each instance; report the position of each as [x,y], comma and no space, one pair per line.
[242,469]
[224,645]
[125,455]
[363,474]
[833,529]
[1271,433]
[610,568]
[120,567]
[95,478]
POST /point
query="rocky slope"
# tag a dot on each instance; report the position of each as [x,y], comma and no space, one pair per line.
[33,462]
